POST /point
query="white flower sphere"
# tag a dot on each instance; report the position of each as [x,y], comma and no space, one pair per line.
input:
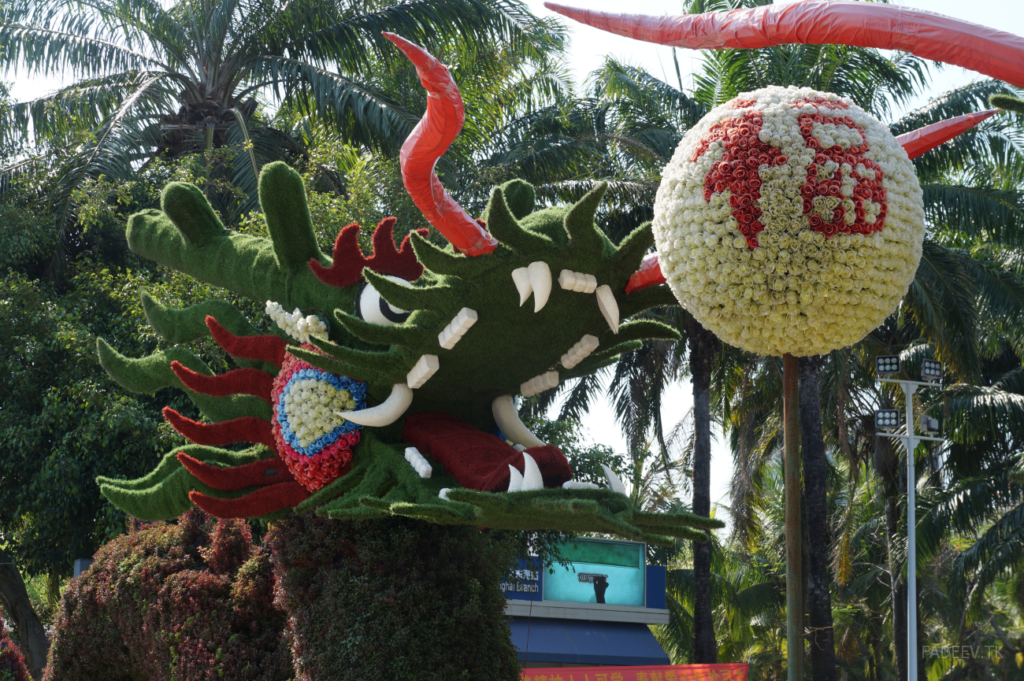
[789,221]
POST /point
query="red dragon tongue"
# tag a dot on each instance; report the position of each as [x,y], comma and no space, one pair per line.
[996,54]
[428,141]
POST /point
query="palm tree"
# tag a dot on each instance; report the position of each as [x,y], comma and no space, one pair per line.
[150,80]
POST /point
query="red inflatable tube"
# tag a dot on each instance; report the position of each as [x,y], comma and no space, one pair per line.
[261,502]
[246,429]
[235,382]
[262,348]
[996,54]
[918,142]
[428,141]
[229,479]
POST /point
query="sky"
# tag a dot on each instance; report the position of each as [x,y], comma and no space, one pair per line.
[588,48]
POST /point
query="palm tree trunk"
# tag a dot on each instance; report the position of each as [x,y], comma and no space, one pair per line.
[819,600]
[703,346]
[32,636]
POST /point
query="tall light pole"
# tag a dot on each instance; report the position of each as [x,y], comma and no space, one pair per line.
[886,424]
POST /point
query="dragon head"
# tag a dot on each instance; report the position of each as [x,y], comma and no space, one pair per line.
[399,396]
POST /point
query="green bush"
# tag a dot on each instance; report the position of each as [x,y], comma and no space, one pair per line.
[393,599]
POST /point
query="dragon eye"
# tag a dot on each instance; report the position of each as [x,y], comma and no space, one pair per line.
[372,308]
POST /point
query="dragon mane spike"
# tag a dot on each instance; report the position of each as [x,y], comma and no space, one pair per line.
[428,141]
[996,54]
[442,262]
[922,140]
[580,225]
[386,259]
[378,334]
[407,297]
[263,348]
[263,501]
[233,478]
[381,362]
[349,261]
[245,429]
[509,232]
[235,382]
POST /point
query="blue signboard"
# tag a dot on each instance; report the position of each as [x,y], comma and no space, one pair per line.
[525,582]
[609,572]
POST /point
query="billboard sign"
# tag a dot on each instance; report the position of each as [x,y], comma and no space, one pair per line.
[599,571]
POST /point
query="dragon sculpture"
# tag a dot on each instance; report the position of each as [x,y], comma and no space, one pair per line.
[390,388]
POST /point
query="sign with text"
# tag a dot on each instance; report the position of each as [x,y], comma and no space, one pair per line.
[525,581]
[610,572]
[681,672]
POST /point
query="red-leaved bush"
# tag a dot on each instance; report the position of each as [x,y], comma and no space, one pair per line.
[12,663]
[192,601]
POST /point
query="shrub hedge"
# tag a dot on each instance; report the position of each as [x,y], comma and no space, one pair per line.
[189,601]
[393,598]
[12,662]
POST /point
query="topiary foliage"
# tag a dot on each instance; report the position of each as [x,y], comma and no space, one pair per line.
[393,599]
[389,391]
[12,662]
[190,601]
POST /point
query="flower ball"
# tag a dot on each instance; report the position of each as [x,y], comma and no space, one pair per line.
[789,221]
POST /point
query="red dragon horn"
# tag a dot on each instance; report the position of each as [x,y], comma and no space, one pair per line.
[996,54]
[917,142]
[428,141]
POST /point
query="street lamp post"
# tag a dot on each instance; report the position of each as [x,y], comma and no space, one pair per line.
[887,420]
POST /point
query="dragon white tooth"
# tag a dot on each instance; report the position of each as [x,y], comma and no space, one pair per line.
[540,280]
[567,279]
[591,283]
[519,448]
[539,384]
[581,283]
[426,367]
[418,462]
[385,413]
[532,479]
[609,308]
[580,351]
[576,484]
[444,493]
[446,339]
[614,484]
[521,278]
[506,415]
[515,479]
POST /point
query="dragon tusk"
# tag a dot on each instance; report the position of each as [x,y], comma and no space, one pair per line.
[532,479]
[614,483]
[609,308]
[540,282]
[521,278]
[385,413]
[515,479]
[507,418]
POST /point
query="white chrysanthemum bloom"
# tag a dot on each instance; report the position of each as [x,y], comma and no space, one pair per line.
[789,221]
[295,325]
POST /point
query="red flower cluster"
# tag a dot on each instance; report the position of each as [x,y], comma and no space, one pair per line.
[865,188]
[745,153]
[737,171]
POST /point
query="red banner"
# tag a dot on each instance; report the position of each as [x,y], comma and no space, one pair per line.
[680,672]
